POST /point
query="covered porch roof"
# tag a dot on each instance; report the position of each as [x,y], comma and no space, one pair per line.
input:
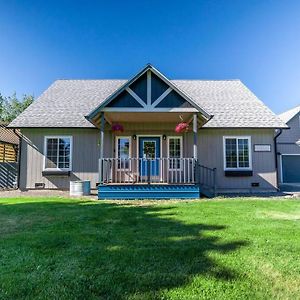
[149,117]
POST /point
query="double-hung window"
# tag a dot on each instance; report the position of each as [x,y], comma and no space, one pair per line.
[237,153]
[123,151]
[58,153]
[174,152]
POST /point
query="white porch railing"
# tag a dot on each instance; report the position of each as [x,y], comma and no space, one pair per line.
[140,170]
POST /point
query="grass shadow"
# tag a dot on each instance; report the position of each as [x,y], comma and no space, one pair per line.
[93,249]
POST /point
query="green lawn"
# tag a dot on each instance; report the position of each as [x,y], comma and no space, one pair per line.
[58,248]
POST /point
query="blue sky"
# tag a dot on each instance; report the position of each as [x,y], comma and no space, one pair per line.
[255,41]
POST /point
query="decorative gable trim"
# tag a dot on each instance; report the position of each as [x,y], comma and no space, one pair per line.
[161,97]
[181,93]
[135,96]
[148,104]
[149,87]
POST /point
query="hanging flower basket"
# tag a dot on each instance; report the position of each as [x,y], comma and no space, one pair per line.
[117,127]
[182,127]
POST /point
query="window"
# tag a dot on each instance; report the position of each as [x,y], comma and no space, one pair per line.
[174,151]
[237,154]
[123,152]
[149,149]
[58,152]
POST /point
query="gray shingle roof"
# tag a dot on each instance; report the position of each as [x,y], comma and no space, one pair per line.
[7,135]
[288,115]
[66,103]
[231,103]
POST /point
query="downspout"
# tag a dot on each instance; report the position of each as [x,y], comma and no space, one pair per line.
[275,153]
[19,157]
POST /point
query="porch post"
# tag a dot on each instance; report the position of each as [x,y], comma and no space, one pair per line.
[102,122]
[195,132]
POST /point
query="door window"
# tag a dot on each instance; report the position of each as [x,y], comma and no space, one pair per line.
[149,149]
[123,152]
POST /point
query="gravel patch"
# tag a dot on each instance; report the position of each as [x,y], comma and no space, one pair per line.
[41,193]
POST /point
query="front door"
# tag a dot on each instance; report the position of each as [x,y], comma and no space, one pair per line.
[149,154]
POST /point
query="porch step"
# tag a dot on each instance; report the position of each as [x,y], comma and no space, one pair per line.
[148,191]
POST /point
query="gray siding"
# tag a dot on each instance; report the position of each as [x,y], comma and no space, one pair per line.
[291,135]
[263,163]
[86,154]
[85,157]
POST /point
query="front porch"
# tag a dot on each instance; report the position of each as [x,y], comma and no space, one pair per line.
[150,160]
[158,178]
[146,157]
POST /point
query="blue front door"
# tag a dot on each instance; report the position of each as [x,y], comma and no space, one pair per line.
[149,153]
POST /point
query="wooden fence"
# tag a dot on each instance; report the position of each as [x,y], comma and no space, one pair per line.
[8,175]
[8,152]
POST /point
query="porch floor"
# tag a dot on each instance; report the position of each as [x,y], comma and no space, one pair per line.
[146,183]
[148,191]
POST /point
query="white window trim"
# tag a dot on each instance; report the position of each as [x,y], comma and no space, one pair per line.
[181,151]
[117,149]
[250,152]
[45,152]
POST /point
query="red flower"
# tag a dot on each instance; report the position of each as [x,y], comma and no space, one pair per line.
[117,127]
[182,127]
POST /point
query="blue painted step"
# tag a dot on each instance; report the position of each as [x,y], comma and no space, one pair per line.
[149,191]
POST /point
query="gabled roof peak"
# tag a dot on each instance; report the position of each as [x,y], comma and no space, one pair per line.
[149,104]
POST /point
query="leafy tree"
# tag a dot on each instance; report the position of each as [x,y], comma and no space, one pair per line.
[11,107]
[2,100]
